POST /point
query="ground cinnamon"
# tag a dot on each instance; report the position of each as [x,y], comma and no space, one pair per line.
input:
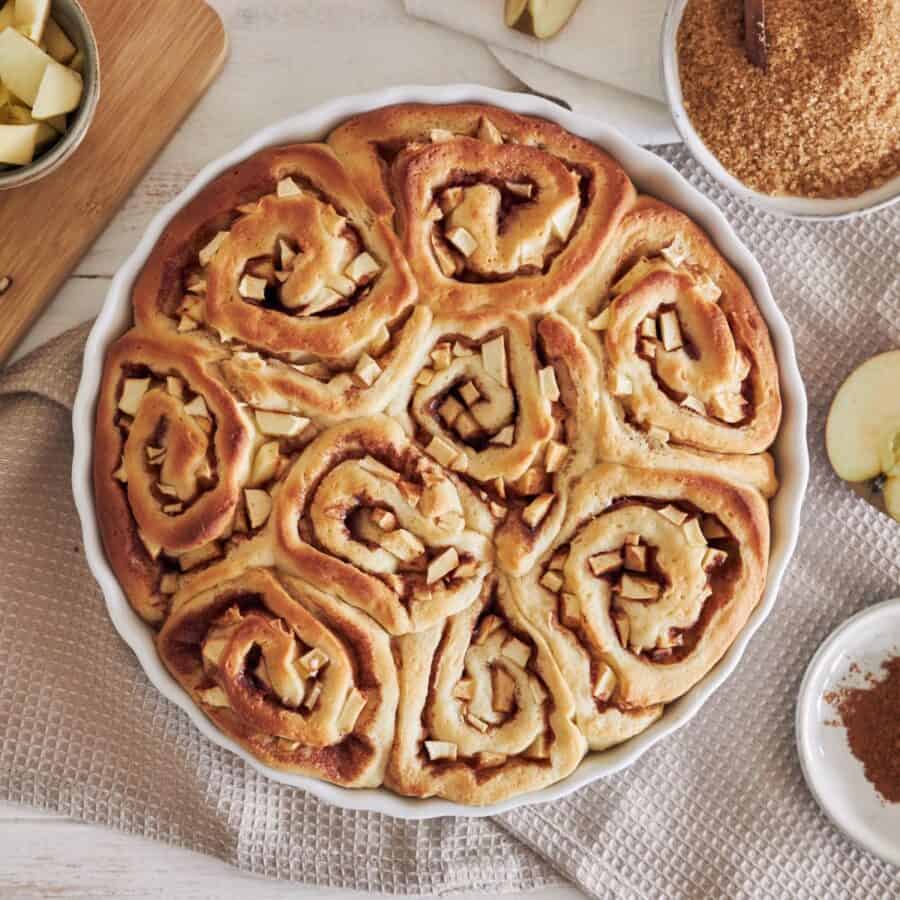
[871,715]
[824,119]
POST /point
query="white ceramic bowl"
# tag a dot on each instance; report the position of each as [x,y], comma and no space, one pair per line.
[796,207]
[653,176]
[833,774]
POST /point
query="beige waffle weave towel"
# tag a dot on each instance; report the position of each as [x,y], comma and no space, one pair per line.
[718,810]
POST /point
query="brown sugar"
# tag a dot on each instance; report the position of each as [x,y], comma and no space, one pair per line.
[823,120]
[871,716]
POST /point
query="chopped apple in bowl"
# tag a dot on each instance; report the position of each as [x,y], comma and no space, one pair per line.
[862,435]
[40,80]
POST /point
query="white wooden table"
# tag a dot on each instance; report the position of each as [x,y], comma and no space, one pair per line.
[285,56]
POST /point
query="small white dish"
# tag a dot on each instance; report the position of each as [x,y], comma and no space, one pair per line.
[833,774]
[790,206]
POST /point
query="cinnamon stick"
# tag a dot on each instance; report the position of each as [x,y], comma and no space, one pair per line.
[755,33]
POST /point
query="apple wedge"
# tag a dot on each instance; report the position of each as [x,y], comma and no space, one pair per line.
[864,418]
[59,93]
[539,18]
[22,65]
[57,43]
[31,16]
[892,497]
[18,143]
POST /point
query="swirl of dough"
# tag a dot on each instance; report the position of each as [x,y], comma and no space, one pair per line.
[651,578]
[685,352]
[173,450]
[281,270]
[367,517]
[492,208]
[484,708]
[304,682]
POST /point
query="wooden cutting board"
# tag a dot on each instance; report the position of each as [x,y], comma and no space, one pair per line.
[157,57]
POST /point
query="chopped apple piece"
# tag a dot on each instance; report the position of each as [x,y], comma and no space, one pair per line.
[549,385]
[864,415]
[440,750]
[634,587]
[892,497]
[442,565]
[265,464]
[602,563]
[280,424]
[18,143]
[57,43]
[59,92]
[22,65]
[259,505]
[32,15]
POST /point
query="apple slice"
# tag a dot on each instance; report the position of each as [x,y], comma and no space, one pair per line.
[892,497]
[22,65]
[45,136]
[18,143]
[57,43]
[59,93]
[539,18]
[864,417]
[32,15]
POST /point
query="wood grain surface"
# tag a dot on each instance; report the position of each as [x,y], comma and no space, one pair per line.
[157,58]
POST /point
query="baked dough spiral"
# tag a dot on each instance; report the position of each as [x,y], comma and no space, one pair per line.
[304,682]
[366,516]
[484,710]
[280,266]
[685,355]
[436,454]
[492,208]
[172,451]
[649,581]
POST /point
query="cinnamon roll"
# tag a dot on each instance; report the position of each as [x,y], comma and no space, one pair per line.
[492,208]
[650,580]
[489,404]
[171,454]
[367,517]
[484,710]
[684,352]
[304,682]
[280,266]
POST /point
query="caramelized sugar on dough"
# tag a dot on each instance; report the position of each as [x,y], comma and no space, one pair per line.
[437,455]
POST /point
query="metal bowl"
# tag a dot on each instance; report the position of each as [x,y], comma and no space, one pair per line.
[784,206]
[74,21]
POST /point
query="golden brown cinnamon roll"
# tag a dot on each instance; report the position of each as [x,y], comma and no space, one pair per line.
[172,451]
[304,682]
[650,580]
[484,711]
[367,517]
[296,283]
[492,208]
[683,349]
[488,403]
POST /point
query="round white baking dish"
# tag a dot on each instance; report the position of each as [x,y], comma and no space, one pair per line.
[652,175]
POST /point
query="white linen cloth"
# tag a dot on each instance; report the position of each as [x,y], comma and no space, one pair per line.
[604,63]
